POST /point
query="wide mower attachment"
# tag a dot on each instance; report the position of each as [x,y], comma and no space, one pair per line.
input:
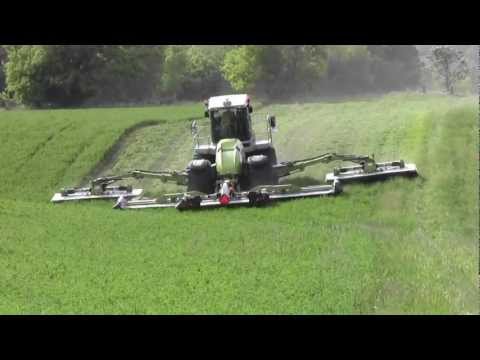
[257,196]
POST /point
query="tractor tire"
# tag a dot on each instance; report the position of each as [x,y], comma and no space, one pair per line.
[260,168]
[197,156]
[201,176]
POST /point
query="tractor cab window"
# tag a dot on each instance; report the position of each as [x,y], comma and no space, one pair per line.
[230,123]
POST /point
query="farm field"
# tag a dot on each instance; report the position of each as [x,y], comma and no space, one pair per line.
[396,247]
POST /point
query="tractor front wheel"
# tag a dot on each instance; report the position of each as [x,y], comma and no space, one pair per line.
[201,177]
[260,169]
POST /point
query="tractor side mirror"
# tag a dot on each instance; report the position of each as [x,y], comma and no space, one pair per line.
[272,121]
[205,104]
[194,127]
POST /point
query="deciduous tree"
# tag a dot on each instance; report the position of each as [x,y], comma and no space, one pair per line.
[450,65]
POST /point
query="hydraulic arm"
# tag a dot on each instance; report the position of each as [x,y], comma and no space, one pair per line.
[100,188]
[290,167]
[99,185]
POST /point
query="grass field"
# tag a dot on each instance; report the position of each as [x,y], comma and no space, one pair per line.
[403,246]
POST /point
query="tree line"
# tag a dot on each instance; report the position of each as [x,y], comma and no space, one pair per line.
[76,75]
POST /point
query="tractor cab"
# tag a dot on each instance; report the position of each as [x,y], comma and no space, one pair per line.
[230,117]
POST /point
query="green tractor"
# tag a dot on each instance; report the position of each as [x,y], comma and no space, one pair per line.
[231,166]
[231,150]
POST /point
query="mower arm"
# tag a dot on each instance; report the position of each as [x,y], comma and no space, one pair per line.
[291,167]
[169,175]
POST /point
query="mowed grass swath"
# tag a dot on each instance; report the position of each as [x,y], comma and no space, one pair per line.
[401,246]
[41,149]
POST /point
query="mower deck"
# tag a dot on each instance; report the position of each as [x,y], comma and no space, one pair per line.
[85,194]
[383,171]
[266,194]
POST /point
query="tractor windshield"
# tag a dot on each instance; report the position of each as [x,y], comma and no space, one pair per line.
[230,123]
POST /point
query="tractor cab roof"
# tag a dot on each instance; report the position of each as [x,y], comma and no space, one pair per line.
[227,101]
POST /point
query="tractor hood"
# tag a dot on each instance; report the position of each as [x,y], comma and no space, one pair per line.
[229,157]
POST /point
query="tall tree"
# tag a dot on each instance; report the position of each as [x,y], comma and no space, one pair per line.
[242,67]
[450,65]
[175,70]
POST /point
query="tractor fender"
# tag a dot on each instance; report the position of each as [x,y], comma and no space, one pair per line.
[257,160]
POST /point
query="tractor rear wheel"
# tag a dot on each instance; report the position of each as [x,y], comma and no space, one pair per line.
[201,176]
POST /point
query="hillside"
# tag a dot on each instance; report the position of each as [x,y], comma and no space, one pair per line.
[401,246]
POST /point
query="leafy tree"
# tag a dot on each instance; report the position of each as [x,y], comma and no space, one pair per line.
[241,67]
[175,70]
[68,75]
[203,75]
[273,70]
[23,73]
[255,68]
[270,72]
[450,65]
[128,72]
[51,74]
[303,66]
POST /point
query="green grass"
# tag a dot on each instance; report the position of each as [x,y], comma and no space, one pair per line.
[396,247]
